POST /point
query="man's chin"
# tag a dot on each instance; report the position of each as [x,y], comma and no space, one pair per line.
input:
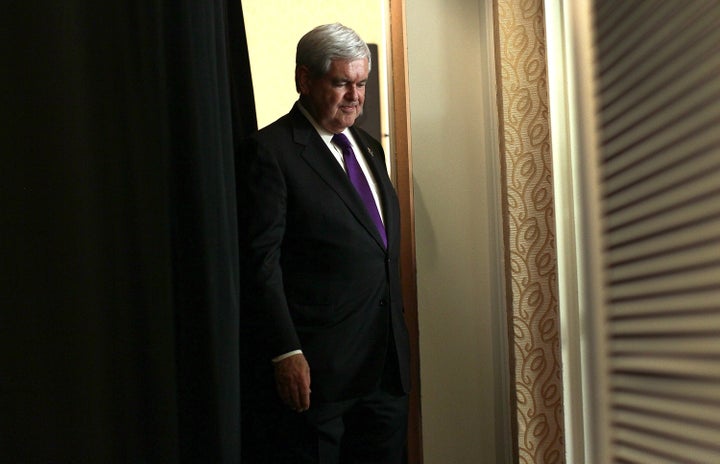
[349,119]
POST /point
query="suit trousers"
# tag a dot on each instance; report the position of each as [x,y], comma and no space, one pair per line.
[371,429]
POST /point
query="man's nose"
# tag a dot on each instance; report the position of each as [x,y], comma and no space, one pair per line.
[352,93]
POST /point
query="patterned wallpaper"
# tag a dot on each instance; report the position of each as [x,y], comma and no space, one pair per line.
[530,230]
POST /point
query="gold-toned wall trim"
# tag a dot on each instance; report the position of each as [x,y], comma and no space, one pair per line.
[402,176]
[529,230]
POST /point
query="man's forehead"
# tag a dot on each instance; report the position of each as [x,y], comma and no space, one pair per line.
[340,67]
[341,63]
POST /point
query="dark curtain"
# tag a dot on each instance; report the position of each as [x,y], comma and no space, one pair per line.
[119,258]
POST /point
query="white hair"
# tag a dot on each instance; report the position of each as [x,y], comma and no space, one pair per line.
[318,48]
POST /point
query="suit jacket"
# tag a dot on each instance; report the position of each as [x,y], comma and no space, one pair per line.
[323,281]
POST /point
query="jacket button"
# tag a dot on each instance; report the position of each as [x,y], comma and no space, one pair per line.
[383,302]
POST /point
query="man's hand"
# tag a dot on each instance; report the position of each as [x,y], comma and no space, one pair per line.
[292,378]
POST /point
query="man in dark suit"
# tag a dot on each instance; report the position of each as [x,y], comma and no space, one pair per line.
[325,333]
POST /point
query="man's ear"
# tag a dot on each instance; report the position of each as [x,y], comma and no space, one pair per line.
[302,78]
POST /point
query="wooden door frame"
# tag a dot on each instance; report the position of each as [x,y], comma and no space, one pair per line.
[402,175]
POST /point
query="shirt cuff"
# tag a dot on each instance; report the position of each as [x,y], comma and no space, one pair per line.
[286,355]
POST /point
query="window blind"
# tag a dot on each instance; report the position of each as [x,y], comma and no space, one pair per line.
[658,94]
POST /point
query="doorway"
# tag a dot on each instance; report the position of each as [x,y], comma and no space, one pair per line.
[381,23]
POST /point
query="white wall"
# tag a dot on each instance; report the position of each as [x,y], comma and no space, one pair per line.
[459,278]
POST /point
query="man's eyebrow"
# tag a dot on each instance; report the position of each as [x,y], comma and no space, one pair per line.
[342,80]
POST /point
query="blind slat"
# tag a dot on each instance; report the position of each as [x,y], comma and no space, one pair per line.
[632,444]
[703,255]
[689,390]
[701,369]
[670,242]
[676,432]
[679,283]
[645,185]
[680,324]
[690,216]
[693,303]
[702,414]
[680,122]
[696,347]
[626,454]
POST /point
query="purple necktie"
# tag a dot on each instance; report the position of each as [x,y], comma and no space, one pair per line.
[360,182]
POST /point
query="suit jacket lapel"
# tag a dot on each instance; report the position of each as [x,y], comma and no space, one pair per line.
[319,158]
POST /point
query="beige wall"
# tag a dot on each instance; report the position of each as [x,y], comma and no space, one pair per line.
[273,29]
[454,156]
